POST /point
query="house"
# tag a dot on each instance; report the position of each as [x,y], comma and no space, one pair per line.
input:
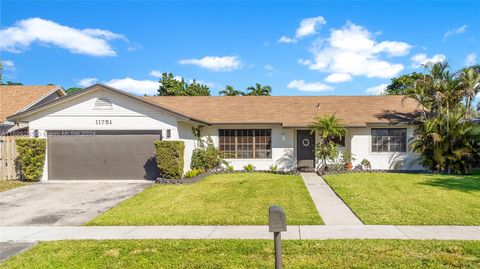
[105,133]
[17,98]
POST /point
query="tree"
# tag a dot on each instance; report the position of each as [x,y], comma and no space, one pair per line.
[172,86]
[446,137]
[403,85]
[73,90]
[230,91]
[330,129]
[259,90]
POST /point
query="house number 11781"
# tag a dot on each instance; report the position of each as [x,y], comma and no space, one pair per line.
[103,122]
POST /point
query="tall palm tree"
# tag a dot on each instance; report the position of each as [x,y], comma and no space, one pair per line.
[230,91]
[470,83]
[259,90]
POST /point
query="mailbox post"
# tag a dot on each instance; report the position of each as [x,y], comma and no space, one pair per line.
[277,223]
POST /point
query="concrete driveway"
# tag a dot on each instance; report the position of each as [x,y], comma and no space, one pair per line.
[62,202]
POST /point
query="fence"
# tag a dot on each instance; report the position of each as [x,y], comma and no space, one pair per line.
[8,154]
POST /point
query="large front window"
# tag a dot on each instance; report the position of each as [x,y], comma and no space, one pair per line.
[245,143]
[389,140]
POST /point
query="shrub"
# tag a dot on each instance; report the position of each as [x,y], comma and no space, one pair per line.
[273,168]
[198,159]
[193,173]
[169,156]
[366,164]
[31,158]
[249,167]
[229,168]
[206,157]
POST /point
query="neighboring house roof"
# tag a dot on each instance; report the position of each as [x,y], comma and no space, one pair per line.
[291,111]
[17,98]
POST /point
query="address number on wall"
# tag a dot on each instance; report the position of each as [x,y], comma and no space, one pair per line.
[103,122]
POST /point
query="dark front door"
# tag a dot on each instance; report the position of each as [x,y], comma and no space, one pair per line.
[305,150]
[105,155]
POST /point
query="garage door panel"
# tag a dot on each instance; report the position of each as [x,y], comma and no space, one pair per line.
[103,156]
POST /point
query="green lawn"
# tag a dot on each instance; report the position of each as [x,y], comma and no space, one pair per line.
[248,254]
[410,199]
[6,185]
[222,199]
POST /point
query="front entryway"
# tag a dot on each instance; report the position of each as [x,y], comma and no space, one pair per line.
[305,150]
[102,155]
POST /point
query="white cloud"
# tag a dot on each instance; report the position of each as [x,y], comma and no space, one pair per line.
[286,40]
[456,31]
[338,77]
[471,59]
[421,59]
[214,63]
[8,65]
[301,85]
[87,82]
[155,73]
[93,42]
[377,90]
[353,50]
[309,26]
[139,87]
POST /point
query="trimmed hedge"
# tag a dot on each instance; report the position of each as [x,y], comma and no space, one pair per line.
[169,155]
[31,158]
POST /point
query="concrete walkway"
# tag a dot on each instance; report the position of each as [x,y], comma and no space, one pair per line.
[330,207]
[319,232]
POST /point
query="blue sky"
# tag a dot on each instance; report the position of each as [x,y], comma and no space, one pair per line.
[298,48]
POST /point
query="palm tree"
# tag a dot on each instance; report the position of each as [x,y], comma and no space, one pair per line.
[230,91]
[329,128]
[470,83]
[259,90]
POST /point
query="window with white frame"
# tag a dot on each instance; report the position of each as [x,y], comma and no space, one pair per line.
[389,139]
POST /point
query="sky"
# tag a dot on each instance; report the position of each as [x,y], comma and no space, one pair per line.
[298,48]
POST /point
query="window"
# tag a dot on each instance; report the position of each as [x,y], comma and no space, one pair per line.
[103,103]
[245,143]
[389,140]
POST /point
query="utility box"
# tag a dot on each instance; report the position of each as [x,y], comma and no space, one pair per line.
[277,221]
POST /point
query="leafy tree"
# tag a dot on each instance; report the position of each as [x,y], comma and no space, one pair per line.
[330,129]
[259,90]
[171,86]
[230,91]
[12,83]
[72,90]
[446,137]
[403,85]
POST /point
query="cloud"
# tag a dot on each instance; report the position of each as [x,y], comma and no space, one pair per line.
[8,65]
[87,82]
[471,59]
[139,87]
[286,40]
[421,59]
[93,42]
[377,90]
[155,73]
[352,50]
[214,63]
[309,26]
[338,77]
[456,31]
[271,70]
[301,85]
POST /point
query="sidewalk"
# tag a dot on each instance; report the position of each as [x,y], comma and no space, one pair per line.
[330,207]
[319,232]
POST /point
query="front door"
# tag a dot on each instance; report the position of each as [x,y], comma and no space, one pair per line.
[305,150]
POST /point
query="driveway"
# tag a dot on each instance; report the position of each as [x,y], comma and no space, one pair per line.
[63,203]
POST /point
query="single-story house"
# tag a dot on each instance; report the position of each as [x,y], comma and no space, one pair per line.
[17,98]
[105,133]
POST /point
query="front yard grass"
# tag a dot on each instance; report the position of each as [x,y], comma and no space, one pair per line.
[249,254]
[221,199]
[6,185]
[410,199]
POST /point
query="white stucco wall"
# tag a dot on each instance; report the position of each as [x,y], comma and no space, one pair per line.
[283,141]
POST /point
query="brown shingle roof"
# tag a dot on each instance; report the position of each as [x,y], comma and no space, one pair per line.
[290,111]
[14,98]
